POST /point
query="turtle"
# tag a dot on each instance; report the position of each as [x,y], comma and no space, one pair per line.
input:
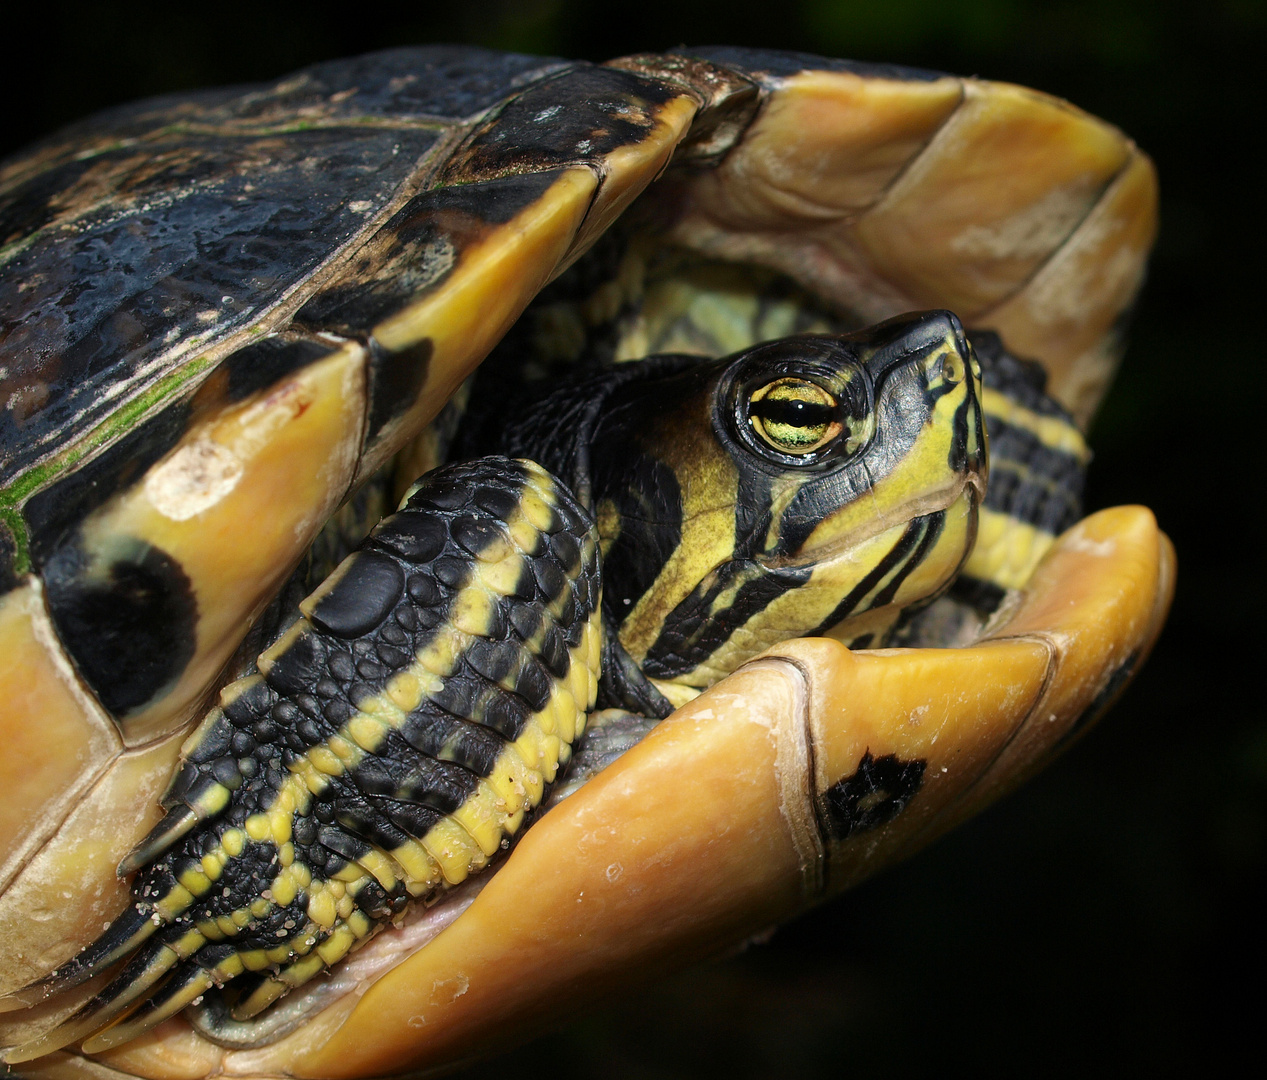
[228,312]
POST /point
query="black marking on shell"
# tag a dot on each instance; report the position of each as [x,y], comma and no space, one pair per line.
[129,621]
[580,114]
[395,381]
[874,795]
[1104,697]
[264,362]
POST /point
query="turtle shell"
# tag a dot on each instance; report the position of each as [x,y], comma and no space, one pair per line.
[224,311]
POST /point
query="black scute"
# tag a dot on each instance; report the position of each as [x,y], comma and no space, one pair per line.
[581,113]
[363,597]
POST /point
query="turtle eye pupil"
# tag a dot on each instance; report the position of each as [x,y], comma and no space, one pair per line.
[794,416]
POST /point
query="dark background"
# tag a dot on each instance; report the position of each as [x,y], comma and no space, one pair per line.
[1107,919]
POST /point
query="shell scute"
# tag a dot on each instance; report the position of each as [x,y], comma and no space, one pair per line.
[581,114]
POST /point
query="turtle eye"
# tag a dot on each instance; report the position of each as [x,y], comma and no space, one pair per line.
[952,367]
[794,416]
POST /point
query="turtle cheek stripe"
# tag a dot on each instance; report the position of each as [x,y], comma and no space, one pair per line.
[438,753]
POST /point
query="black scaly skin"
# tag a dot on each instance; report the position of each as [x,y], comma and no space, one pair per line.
[1028,481]
[393,599]
[556,426]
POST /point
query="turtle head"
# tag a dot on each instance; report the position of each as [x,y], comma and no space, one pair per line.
[806,485]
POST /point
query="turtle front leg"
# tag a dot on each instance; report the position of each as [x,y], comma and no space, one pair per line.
[393,742]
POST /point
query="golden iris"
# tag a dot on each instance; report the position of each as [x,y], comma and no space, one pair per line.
[794,416]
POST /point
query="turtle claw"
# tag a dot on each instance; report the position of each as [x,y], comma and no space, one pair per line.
[141,973]
[175,824]
[123,937]
[182,989]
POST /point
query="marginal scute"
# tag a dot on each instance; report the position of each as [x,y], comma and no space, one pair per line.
[586,112]
[489,287]
[998,190]
[38,929]
[1070,313]
[295,445]
[57,739]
